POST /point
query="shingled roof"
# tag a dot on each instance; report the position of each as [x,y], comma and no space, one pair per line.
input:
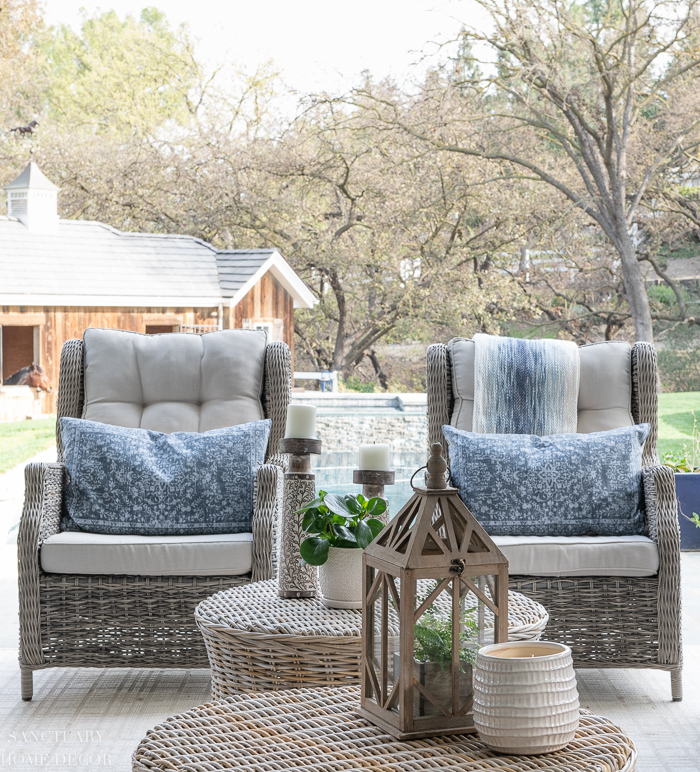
[240,269]
[89,263]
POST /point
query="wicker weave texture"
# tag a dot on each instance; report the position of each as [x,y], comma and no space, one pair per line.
[276,396]
[607,621]
[125,621]
[319,729]
[71,390]
[257,641]
[440,399]
[128,621]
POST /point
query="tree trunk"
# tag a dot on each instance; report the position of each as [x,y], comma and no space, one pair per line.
[339,348]
[635,286]
[378,369]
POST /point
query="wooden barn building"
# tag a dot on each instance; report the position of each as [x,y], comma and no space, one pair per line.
[59,277]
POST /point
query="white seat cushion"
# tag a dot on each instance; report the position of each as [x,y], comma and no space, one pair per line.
[579,555]
[74,552]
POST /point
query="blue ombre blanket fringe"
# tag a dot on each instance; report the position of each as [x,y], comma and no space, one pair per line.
[525,386]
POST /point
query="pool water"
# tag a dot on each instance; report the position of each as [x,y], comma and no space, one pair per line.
[334,475]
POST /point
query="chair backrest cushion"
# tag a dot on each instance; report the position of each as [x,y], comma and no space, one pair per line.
[605,387]
[174,382]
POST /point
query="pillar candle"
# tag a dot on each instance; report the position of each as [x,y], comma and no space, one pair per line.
[301,422]
[375,458]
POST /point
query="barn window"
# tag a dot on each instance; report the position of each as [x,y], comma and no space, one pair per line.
[273,327]
[157,329]
[20,347]
[18,205]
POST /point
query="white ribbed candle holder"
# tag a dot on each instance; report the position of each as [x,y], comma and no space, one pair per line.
[525,697]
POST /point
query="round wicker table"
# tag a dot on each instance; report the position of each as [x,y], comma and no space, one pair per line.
[258,642]
[319,729]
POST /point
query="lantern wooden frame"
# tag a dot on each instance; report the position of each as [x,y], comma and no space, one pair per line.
[434,536]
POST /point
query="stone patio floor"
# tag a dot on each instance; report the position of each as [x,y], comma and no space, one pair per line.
[94,719]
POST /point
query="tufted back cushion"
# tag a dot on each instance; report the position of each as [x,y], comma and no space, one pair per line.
[175,382]
[605,387]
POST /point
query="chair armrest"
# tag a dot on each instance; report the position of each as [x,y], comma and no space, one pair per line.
[41,517]
[663,528]
[71,392]
[645,401]
[439,388]
[277,394]
[266,508]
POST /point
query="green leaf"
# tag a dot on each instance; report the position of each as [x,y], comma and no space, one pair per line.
[318,525]
[353,505]
[361,499]
[342,544]
[337,505]
[344,533]
[314,550]
[375,526]
[307,520]
[311,505]
[376,506]
[363,534]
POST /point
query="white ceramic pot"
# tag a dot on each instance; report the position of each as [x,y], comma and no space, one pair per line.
[525,697]
[340,578]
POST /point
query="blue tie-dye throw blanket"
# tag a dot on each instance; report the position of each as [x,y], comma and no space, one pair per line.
[525,386]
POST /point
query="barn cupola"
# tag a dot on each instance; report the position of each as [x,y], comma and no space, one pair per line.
[33,199]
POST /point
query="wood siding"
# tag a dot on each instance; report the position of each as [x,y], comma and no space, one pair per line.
[267,300]
[64,323]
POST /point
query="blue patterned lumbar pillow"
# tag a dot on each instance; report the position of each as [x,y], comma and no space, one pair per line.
[135,481]
[558,485]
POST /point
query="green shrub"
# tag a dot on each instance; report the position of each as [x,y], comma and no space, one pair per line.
[680,369]
[353,383]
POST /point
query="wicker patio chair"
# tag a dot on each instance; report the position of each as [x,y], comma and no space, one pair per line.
[608,621]
[122,620]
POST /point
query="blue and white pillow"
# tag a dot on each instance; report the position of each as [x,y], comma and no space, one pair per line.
[557,485]
[136,481]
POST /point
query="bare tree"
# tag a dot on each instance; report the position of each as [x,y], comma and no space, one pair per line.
[595,99]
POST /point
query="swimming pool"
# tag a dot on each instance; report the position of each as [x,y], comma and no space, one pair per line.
[334,475]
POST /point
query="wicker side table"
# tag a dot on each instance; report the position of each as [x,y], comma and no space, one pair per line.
[257,641]
[319,729]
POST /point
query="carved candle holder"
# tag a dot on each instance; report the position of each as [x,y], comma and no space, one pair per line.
[295,580]
[373,483]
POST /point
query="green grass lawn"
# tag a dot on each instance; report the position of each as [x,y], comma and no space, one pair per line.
[21,440]
[676,421]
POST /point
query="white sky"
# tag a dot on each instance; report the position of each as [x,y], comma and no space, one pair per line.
[317,44]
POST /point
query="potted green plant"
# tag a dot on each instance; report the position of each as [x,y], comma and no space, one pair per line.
[686,466]
[432,654]
[339,528]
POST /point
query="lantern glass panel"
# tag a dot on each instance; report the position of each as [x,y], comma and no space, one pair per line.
[383,644]
[446,637]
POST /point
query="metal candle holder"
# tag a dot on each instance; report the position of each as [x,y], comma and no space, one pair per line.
[295,580]
[373,483]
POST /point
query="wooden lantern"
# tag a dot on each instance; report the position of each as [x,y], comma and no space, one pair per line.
[435,589]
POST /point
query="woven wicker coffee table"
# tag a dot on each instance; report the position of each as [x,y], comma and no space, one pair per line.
[258,642]
[319,729]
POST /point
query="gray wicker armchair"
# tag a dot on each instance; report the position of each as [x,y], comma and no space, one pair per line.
[608,621]
[122,620]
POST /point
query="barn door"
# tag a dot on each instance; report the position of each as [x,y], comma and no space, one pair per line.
[19,344]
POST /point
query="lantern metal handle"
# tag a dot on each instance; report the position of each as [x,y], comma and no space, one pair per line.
[414,474]
[420,469]
[457,566]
